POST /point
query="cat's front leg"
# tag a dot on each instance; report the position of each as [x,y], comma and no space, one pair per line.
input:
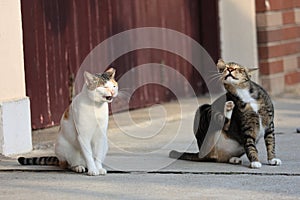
[100,150]
[88,156]
[100,168]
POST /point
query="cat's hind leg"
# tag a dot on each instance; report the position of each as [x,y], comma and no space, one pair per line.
[78,169]
[270,145]
[235,160]
[69,156]
[274,162]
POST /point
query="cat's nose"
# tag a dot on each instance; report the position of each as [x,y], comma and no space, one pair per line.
[230,69]
[112,92]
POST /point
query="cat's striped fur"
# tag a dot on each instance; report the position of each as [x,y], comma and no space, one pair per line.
[45,160]
[252,118]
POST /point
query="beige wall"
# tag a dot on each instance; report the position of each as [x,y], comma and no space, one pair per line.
[15,125]
[238,32]
[12,80]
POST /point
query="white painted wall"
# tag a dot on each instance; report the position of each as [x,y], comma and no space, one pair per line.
[238,32]
[15,125]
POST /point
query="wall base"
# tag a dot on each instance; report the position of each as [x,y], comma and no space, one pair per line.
[15,127]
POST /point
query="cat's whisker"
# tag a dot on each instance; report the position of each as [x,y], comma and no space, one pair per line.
[213,72]
[121,89]
[123,96]
[215,78]
[216,74]
[124,93]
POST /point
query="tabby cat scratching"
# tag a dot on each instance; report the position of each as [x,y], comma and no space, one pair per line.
[246,117]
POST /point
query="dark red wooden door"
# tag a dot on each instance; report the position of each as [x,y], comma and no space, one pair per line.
[59,34]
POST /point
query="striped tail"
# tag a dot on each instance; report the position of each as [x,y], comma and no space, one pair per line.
[47,160]
[189,156]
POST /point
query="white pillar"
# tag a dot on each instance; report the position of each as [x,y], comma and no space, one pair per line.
[238,32]
[15,124]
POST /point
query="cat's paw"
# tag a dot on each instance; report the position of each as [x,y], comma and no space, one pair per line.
[102,171]
[255,165]
[229,105]
[93,172]
[274,162]
[78,169]
[235,160]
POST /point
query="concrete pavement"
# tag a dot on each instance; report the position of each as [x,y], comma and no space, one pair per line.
[139,167]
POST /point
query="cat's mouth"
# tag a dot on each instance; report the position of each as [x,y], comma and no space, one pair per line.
[230,75]
[108,98]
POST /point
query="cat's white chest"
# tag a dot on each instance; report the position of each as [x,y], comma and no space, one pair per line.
[89,117]
[246,97]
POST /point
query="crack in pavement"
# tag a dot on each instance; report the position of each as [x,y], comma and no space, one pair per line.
[161,172]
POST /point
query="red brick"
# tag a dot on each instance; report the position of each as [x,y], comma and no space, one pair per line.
[267,68]
[260,5]
[276,5]
[291,33]
[270,51]
[299,62]
[269,36]
[265,52]
[262,36]
[292,78]
[291,48]
[281,4]
[278,35]
[288,17]
[297,3]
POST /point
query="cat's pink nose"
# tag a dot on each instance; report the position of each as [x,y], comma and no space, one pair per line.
[111,92]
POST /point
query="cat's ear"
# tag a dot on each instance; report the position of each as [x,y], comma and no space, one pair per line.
[249,70]
[221,65]
[111,73]
[90,80]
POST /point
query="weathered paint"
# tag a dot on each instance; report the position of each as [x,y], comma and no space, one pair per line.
[58,35]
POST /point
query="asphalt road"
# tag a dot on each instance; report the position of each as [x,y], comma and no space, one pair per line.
[139,167]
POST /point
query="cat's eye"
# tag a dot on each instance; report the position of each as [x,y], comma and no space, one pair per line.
[241,70]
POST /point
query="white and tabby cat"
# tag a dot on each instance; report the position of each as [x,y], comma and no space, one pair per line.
[82,140]
[248,117]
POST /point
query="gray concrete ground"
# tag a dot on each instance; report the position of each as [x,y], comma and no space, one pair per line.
[139,167]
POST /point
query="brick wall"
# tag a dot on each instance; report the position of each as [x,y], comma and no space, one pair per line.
[278,35]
